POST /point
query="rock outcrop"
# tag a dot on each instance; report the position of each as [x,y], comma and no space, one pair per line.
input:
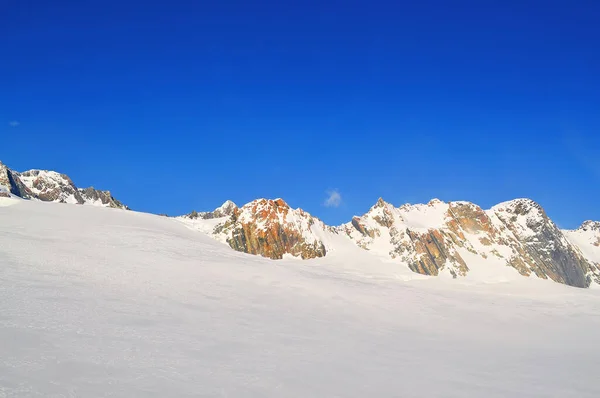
[411,235]
[10,179]
[547,251]
[100,198]
[50,186]
[225,210]
[270,228]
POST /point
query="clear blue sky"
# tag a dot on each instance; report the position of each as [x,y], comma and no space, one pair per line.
[180,105]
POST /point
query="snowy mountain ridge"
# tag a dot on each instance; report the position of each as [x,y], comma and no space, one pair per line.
[51,186]
[454,238]
[458,239]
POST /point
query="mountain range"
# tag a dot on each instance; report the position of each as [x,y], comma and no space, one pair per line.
[456,239]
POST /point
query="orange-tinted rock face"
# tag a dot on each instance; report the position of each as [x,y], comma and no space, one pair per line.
[470,218]
[271,229]
[434,253]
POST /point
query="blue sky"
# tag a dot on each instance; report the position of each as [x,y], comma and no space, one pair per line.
[180,105]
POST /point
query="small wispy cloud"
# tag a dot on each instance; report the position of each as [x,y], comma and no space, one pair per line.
[334,198]
[14,123]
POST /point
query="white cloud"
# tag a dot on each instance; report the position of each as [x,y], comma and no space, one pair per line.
[334,198]
[14,123]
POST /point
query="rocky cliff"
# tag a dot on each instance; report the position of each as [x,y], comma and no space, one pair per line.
[272,229]
[13,184]
[50,186]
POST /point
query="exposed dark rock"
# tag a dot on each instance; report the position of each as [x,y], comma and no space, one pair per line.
[12,182]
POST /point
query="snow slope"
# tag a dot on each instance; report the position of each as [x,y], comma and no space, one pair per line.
[101,302]
[587,239]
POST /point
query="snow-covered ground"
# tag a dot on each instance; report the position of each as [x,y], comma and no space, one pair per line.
[105,302]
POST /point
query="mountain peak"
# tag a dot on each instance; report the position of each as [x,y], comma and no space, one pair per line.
[227,203]
[226,209]
[380,205]
[380,202]
[271,228]
[434,201]
[590,225]
[523,207]
[11,181]
[51,186]
[280,202]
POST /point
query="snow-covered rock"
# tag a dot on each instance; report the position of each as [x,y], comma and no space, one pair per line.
[225,210]
[96,197]
[268,227]
[587,240]
[50,186]
[272,229]
[11,182]
[547,251]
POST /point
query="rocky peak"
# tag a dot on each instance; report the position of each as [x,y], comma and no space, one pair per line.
[227,209]
[93,196]
[456,236]
[272,229]
[521,207]
[590,225]
[524,216]
[50,186]
[588,238]
[381,212]
[266,212]
[13,184]
[59,178]
[545,248]
[380,203]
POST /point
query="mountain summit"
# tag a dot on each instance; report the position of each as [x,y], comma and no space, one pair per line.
[50,186]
